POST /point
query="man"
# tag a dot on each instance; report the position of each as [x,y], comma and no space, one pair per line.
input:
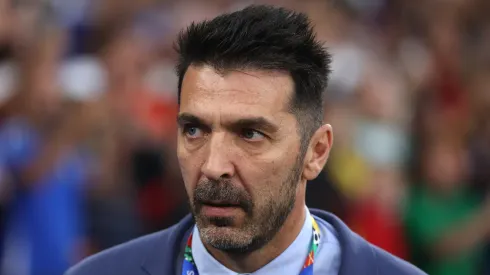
[251,135]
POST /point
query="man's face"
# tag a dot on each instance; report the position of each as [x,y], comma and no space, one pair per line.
[239,152]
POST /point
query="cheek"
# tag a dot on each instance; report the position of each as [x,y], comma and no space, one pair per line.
[266,177]
[190,170]
[276,165]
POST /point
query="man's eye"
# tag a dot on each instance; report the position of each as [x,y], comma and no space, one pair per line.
[192,132]
[252,135]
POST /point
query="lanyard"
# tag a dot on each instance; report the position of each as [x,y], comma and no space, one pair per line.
[189,266]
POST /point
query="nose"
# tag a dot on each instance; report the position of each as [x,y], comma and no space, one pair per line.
[218,164]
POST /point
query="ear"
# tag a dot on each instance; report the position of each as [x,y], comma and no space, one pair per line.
[318,151]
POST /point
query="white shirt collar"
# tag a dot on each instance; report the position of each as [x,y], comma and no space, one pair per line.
[290,262]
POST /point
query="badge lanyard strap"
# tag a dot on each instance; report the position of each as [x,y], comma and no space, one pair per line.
[189,266]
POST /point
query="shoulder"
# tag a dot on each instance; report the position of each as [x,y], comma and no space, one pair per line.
[387,264]
[358,255]
[122,259]
[156,251]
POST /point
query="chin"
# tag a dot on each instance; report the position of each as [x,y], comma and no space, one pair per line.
[226,239]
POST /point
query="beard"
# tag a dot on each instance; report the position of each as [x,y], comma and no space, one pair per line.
[261,222]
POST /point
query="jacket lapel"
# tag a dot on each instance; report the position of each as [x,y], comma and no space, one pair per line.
[357,256]
[163,258]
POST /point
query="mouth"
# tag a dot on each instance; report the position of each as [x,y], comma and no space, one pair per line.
[219,209]
[220,204]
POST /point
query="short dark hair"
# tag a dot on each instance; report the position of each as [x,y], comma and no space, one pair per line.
[268,38]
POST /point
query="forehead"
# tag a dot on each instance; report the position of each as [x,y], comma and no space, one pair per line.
[248,92]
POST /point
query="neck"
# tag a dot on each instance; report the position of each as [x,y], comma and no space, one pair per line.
[248,263]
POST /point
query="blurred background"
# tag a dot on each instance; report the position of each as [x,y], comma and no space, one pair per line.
[87,126]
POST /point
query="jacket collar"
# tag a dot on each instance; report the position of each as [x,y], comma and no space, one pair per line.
[357,255]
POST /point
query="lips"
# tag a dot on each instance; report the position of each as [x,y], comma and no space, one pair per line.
[221,204]
[219,209]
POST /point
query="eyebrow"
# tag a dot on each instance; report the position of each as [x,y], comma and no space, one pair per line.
[186,118]
[260,123]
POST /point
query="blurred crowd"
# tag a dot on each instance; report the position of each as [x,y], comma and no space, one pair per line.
[88,101]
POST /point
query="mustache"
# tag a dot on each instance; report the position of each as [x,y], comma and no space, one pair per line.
[223,191]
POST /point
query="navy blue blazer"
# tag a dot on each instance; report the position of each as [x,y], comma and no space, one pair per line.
[161,253]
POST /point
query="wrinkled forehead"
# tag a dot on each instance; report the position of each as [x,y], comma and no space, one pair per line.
[252,92]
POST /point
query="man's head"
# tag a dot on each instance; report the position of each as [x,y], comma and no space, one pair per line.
[251,113]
